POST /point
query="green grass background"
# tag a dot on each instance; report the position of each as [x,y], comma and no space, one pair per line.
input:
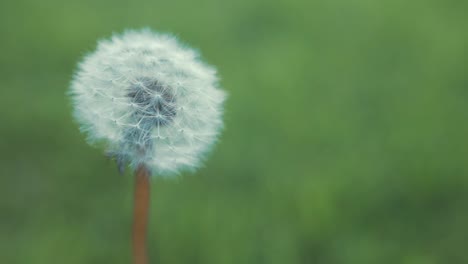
[346,135]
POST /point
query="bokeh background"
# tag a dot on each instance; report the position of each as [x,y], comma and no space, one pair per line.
[346,135]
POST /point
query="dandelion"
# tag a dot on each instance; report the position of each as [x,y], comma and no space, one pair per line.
[154,105]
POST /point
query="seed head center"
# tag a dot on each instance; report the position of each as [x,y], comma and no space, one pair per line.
[154,102]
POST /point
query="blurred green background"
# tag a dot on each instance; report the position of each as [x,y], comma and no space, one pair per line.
[346,135]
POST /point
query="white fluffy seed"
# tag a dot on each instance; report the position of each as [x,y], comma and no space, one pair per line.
[150,99]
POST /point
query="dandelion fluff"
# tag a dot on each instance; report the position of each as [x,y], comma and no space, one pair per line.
[150,100]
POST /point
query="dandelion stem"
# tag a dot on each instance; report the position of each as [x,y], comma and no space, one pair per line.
[140,217]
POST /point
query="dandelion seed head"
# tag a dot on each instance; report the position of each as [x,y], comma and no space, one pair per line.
[150,99]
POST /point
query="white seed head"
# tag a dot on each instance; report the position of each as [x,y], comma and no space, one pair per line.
[150,100]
